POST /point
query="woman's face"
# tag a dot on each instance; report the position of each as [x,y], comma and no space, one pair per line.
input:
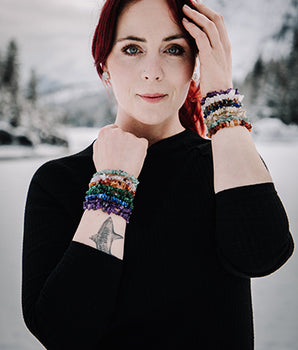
[150,65]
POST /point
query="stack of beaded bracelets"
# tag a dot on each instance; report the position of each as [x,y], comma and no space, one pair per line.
[112,191]
[223,109]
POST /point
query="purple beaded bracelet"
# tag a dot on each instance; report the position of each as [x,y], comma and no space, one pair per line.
[215,93]
[108,207]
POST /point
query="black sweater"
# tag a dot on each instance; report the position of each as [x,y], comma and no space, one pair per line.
[189,254]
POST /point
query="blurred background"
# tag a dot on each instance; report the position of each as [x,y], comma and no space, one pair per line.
[52,103]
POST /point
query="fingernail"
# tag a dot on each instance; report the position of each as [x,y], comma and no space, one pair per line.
[185,20]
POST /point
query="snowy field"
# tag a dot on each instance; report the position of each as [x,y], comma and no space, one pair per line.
[275,297]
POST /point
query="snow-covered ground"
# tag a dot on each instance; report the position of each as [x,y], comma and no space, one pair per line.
[274,297]
[15,175]
[78,138]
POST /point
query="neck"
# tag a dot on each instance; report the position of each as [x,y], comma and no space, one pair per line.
[152,133]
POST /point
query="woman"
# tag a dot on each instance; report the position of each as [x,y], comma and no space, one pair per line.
[203,219]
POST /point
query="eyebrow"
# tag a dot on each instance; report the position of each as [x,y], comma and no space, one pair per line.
[169,38]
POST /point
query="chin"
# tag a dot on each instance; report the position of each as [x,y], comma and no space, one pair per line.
[151,118]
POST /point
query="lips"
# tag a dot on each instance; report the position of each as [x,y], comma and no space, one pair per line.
[153,98]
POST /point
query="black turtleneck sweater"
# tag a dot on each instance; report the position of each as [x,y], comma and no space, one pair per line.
[189,254]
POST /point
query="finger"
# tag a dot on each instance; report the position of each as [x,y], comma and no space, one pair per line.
[205,23]
[201,38]
[202,8]
[215,18]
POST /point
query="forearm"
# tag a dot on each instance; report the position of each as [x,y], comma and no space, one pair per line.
[102,231]
[252,230]
[69,290]
[77,301]
[236,161]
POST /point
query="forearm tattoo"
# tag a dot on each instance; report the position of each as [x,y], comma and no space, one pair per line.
[105,236]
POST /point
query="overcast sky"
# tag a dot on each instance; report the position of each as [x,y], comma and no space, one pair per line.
[55,36]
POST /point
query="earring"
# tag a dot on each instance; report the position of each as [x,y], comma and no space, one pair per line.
[105,76]
[195,76]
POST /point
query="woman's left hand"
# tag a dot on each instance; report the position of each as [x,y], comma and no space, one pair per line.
[212,40]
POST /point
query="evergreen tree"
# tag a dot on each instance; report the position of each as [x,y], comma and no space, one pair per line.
[258,69]
[1,70]
[257,78]
[10,81]
[292,88]
[10,75]
[31,93]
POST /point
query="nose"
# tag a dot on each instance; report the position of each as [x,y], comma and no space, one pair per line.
[152,70]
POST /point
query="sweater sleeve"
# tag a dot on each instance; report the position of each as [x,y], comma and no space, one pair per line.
[69,289]
[252,230]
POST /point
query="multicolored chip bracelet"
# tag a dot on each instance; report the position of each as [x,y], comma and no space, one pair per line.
[112,191]
[223,109]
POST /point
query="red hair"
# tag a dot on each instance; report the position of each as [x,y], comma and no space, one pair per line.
[190,114]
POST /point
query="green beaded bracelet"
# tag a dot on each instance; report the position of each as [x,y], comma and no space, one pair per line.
[109,190]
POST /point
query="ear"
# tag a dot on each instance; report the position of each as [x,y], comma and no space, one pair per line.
[104,67]
[196,63]
[106,75]
[195,75]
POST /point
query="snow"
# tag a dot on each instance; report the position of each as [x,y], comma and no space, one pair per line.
[273,129]
[78,138]
[264,130]
[15,176]
[71,92]
[274,297]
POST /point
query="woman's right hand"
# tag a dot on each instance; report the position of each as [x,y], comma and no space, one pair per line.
[118,149]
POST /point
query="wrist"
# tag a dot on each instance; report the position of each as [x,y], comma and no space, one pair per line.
[112,191]
[223,109]
[216,87]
